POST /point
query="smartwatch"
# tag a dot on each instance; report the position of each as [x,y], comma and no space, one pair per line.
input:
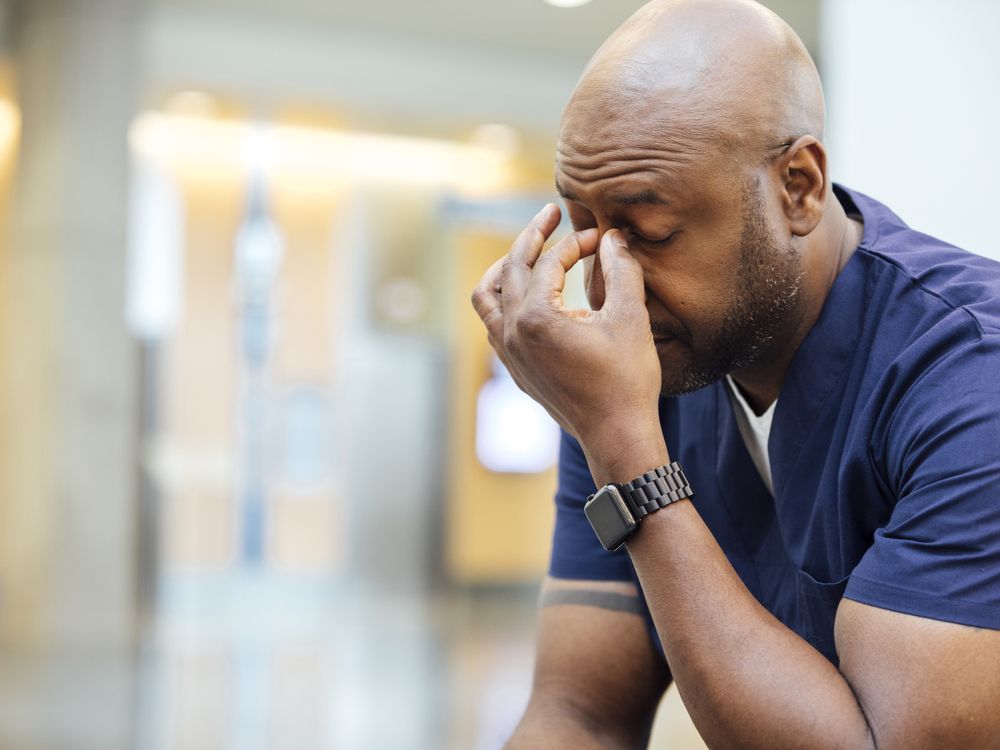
[615,510]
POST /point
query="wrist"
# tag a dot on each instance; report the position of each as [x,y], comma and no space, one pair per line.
[616,511]
[624,453]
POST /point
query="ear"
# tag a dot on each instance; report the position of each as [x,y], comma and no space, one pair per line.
[804,187]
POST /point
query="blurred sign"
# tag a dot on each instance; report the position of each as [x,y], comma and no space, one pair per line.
[514,434]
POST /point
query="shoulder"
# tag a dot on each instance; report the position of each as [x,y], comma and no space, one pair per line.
[956,392]
[930,320]
[929,273]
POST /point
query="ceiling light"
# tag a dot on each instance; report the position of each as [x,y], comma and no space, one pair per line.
[209,146]
[567,3]
[503,139]
[192,103]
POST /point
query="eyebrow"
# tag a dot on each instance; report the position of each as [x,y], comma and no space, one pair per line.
[643,197]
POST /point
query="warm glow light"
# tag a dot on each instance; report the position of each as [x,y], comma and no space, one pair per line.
[202,144]
[192,103]
[10,125]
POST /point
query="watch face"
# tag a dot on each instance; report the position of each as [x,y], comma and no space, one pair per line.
[611,520]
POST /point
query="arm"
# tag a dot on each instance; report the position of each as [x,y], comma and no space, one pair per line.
[904,681]
[598,678]
[747,680]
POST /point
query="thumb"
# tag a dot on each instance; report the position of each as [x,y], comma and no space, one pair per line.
[623,281]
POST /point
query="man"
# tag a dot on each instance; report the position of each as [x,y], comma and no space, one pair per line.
[835,579]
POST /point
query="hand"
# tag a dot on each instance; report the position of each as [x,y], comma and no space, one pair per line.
[595,371]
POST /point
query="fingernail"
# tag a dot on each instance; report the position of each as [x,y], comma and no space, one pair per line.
[617,238]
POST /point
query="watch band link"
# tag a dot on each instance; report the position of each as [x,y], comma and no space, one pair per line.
[656,489]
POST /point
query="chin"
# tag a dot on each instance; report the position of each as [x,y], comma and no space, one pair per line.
[680,387]
[677,382]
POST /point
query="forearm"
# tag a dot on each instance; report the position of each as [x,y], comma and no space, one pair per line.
[746,679]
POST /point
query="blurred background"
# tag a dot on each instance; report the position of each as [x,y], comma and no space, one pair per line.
[262,484]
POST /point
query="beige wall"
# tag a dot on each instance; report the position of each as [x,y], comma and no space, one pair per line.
[68,366]
[498,525]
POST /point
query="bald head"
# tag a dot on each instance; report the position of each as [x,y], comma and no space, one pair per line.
[716,73]
[696,131]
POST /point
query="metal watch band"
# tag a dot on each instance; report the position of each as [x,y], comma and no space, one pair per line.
[656,489]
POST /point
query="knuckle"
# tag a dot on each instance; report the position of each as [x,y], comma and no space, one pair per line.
[526,331]
[547,260]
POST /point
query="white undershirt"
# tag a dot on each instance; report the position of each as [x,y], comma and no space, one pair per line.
[755,431]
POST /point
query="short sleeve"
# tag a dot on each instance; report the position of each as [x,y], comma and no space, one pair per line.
[938,556]
[576,552]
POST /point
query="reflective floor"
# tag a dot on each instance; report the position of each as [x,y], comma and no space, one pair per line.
[258,662]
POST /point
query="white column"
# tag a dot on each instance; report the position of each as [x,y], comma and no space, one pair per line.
[913,94]
[68,385]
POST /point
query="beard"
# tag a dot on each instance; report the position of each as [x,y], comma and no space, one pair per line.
[766,297]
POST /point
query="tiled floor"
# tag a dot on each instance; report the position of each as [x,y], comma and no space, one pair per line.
[259,663]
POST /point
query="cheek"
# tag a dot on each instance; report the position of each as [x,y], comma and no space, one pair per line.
[699,279]
[694,302]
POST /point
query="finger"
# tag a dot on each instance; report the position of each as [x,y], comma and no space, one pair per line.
[524,252]
[623,280]
[487,303]
[548,278]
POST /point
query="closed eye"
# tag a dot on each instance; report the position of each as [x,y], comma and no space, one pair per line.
[652,242]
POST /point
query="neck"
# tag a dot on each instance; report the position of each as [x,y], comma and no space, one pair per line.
[825,252]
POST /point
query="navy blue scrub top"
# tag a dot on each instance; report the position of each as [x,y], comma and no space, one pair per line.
[885,449]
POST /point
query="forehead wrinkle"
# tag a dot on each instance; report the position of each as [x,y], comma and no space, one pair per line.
[657,129]
[586,153]
[610,171]
[670,148]
[661,129]
[600,166]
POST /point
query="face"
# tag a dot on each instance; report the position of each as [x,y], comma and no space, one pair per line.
[722,283]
